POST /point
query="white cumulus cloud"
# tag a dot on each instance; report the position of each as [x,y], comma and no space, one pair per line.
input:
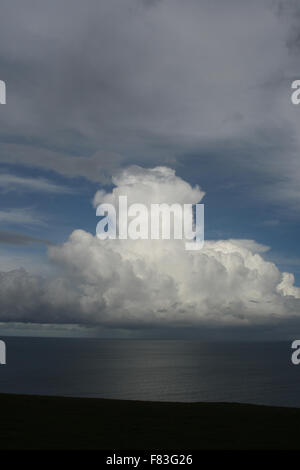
[126,283]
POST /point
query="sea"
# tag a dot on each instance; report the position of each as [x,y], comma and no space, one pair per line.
[156,370]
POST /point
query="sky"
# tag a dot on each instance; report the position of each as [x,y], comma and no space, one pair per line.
[183,100]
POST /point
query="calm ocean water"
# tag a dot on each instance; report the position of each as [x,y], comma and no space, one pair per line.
[152,370]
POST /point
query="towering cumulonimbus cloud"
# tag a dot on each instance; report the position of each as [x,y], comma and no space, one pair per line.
[140,283]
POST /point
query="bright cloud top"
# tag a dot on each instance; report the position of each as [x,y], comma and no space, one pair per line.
[126,283]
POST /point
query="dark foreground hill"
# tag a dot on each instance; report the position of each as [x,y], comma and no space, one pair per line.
[36,422]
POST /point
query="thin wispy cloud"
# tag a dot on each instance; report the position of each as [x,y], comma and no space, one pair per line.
[24,216]
[148,283]
[10,182]
[14,238]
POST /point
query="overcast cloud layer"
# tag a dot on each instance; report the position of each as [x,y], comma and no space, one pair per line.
[96,85]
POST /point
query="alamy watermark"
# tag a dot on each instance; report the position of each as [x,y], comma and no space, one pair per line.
[2,352]
[159,222]
[2,92]
[295,358]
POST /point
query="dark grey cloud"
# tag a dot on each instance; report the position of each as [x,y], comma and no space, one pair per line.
[96,85]
[10,182]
